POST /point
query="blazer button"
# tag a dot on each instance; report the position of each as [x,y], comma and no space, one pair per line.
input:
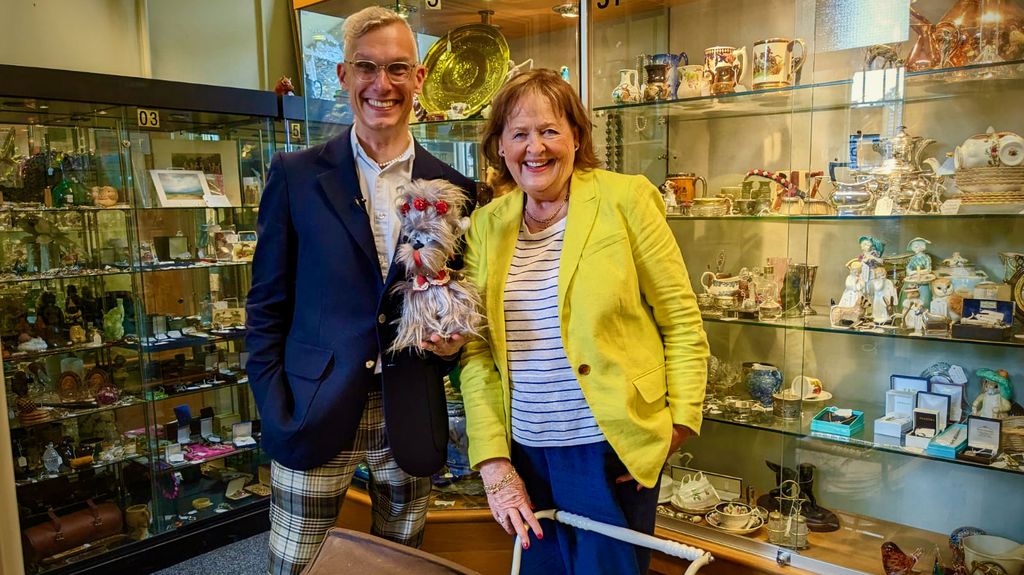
[584,369]
[382,318]
[370,363]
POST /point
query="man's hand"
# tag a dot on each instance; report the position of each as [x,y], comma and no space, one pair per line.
[680,433]
[443,347]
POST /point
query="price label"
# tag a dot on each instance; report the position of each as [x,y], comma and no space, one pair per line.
[950,207]
[884,207]
[148,118]
[433,4]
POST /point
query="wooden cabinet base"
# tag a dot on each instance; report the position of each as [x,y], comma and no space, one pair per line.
[467,537]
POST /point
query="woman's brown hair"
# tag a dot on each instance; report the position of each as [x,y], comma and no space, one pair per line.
[563,100]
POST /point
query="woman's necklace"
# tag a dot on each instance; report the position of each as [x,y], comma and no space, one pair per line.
[547,221]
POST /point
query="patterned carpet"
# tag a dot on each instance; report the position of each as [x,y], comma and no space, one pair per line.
[245,557]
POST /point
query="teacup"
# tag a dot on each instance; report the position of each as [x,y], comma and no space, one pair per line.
[733,515]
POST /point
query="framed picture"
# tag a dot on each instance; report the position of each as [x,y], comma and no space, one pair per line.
[229,317]
[936,402]
[908,383]
[180,188]
[956,398]
[217,160]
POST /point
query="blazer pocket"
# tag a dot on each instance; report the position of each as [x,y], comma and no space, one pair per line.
[651,384]
[306,361]
[607,241]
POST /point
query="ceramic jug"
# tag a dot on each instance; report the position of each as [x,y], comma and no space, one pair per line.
[716,56]
[692,81]
[684,186]
[628,90]
[763,381]
[720,284]
[673,61]
[656,88]
[775,66]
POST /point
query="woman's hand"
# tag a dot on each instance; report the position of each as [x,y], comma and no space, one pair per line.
[680,433]
[510,505]
[444,347]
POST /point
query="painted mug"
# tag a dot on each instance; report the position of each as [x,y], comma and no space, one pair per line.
[730,56]
[684,186]
[774,63]
[692,82]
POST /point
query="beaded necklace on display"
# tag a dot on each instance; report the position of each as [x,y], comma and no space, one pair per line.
[547,221]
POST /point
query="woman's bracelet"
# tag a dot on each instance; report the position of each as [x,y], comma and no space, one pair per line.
[496,487]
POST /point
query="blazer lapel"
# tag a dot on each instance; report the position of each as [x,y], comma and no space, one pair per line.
[341,186]
[507,219]
[583,205]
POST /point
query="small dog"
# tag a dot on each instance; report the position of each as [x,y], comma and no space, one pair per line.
[436,299]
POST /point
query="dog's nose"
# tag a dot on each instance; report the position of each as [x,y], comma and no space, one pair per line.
[417,245]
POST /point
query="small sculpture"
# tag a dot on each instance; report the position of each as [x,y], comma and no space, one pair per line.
[104,196]
[437,299]
[113,326]
[284,87]
[996,397]
[945,302]
[871,250]
[884,294]
[854,288]
[920,262]
[896,562]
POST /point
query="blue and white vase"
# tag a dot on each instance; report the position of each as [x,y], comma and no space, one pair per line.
[763,380]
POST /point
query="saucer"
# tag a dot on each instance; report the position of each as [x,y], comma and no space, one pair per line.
[823,396]
[695,510]
[712,519]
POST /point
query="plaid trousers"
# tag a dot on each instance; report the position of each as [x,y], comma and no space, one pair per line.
[305,504]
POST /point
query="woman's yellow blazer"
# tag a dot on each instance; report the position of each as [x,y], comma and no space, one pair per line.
[630,323]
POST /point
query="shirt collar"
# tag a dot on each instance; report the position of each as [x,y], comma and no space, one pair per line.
[405,157]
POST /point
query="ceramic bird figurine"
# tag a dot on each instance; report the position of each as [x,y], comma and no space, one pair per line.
[896,562]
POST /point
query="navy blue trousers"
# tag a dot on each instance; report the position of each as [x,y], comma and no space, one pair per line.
[581,480]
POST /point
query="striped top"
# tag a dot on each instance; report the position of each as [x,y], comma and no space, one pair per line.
[548,407]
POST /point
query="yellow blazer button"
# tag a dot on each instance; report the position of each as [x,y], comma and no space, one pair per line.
[584,369]
[370,363]
[382,318]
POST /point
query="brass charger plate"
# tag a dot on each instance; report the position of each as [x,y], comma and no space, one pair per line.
[466,65]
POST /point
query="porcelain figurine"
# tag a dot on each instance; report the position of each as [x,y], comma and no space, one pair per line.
[884,296]
[871,250]
[945,302]
[996,397]
[915,317]
[920,262]
[854,288]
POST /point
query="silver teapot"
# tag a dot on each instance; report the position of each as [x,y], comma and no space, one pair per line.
[901,154]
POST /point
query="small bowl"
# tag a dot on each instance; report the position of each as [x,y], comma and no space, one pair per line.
[995,549]
[733,520]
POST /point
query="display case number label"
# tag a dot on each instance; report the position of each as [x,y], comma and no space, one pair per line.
[149,118]
[602,4]
[433,4]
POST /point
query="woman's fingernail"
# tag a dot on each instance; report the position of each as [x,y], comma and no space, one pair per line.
[540,535]
[526,545]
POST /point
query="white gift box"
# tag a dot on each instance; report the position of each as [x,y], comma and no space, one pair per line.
[893,425]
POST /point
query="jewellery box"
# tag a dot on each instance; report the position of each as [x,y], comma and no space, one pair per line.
[948,443]
[900,401]
[893,425]
[836,421]
[983,436]
[925,428]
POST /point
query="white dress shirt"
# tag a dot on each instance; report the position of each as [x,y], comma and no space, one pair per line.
[380,188]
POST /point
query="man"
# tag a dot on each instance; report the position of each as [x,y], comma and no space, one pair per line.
[320,312]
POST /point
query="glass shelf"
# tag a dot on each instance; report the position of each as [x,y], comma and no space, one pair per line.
[166,208]
[122,403]
[171,467]
[20,356]
[459,131]
[242,380]
[820,323]
[919,87]
[865,439]
[71,473]
[783,218]
[190,266]
[28,210]
[193,341]
[65,276]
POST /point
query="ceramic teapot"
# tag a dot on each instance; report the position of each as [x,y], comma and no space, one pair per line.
[991,149]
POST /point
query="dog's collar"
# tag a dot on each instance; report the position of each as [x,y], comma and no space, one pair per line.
[422,282]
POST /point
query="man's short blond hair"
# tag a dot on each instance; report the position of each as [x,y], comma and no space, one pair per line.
[367,20]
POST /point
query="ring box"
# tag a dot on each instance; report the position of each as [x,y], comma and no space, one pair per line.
[908,383]
[938,402]
[926,427]
[900,401]
[241,434]
[983,435]
[236,488]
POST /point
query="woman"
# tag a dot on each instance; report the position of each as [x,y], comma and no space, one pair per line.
[594,368]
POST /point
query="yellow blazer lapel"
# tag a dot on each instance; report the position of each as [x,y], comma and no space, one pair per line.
[507,219]
[583,204]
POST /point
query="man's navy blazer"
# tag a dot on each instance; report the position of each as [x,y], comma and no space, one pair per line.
[318,314]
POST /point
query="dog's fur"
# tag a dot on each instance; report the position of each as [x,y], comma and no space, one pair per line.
[436,299]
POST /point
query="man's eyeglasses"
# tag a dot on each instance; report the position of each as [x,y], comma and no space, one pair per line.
[367,71]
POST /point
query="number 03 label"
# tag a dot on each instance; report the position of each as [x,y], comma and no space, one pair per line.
[149,118]
[433,4]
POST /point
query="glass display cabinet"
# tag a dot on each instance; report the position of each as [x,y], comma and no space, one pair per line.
[127,229]
[854,236]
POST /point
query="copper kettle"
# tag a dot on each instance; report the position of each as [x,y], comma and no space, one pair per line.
[935,44]
[989,31]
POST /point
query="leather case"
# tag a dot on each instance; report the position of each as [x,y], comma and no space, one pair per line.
[72,530]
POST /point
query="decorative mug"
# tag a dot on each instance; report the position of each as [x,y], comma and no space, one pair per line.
[724,79]
[692,81]
[457,111]
[684,186]
[656,89]
[727,55]
[774,63]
